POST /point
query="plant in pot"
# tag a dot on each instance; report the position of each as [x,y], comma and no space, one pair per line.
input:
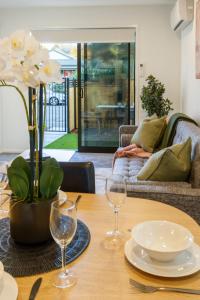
[26,67]
[152,98]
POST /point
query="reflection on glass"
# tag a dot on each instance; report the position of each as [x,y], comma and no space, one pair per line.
[105,92]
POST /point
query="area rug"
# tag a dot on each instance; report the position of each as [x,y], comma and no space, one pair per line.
[67,141]
[100,160]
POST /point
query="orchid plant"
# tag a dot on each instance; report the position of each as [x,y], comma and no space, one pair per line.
[26,67]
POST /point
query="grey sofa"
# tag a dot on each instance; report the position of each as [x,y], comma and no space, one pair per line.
[183,195]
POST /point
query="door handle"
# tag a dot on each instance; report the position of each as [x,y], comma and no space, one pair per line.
[82,92]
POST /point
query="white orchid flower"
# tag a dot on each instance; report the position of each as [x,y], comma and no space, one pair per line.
[2,64]
[5,48]
[6,72]
[27,74]
[17,40]
[8,76]
[24,61]
[40,57]
[50,72]
[17,43]
[15,62]
[31,46]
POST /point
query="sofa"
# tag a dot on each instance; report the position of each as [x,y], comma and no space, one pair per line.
[183,195]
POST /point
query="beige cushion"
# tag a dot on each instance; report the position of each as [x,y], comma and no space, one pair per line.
[149,133]
[169,164]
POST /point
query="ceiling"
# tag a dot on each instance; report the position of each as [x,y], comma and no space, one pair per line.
[62,3]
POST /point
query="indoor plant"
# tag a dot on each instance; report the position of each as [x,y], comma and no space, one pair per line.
[26,67]
[152,98]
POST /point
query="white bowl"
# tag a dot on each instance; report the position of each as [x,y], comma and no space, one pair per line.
[1,270]
[162,240]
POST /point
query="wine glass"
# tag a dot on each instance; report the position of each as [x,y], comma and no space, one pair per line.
[115,194]
[63,224]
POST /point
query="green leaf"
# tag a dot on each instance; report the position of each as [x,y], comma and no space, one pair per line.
[50,162]
[50,180]
[152,98]
[21,163]
[18,182]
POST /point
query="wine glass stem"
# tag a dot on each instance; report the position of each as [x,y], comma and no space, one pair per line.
[116,221]
[63,249]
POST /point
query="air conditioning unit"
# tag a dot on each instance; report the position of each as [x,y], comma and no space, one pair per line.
[182,14]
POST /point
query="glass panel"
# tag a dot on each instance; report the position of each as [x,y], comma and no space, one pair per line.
[105,72]
[132,83]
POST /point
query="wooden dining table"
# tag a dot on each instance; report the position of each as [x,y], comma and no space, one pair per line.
[104,274]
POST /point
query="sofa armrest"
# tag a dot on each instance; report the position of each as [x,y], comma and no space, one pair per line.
[127,129]
[179,188]
[186,199]
[159,184]
[125,140]
[125,134]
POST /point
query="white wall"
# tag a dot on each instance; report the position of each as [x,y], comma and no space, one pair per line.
[190,87]
[158,48]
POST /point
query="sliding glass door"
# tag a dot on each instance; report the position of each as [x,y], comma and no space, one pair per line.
[106,80]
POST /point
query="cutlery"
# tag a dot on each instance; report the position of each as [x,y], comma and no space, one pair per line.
[77,200]
[35,288]
[151,289]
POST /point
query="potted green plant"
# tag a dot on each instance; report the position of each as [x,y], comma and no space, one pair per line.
[152,98]
[26,67]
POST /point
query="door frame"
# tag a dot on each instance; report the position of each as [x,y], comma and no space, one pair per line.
[91,148]
[57,34]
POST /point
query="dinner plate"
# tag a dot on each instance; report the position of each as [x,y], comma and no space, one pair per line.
[186,263]
[8,287]
[62,195]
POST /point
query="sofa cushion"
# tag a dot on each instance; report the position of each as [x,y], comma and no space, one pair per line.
[183,131]
[129,167]
[149,133]
[169,164]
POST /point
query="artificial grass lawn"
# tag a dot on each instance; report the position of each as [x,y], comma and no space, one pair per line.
[67,141]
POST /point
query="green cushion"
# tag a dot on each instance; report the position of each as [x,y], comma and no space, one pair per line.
[149,133]
[169,164]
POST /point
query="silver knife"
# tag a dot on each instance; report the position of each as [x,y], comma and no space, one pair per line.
[77,200]
[35,288]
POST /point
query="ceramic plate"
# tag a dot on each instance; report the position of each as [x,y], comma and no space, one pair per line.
[62,195]
[186,263]
[8,288]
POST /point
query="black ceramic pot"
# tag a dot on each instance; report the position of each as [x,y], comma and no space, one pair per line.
[29,222]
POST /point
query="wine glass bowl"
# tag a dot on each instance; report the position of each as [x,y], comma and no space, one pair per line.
[63,227]
[63,224]
[115,200]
